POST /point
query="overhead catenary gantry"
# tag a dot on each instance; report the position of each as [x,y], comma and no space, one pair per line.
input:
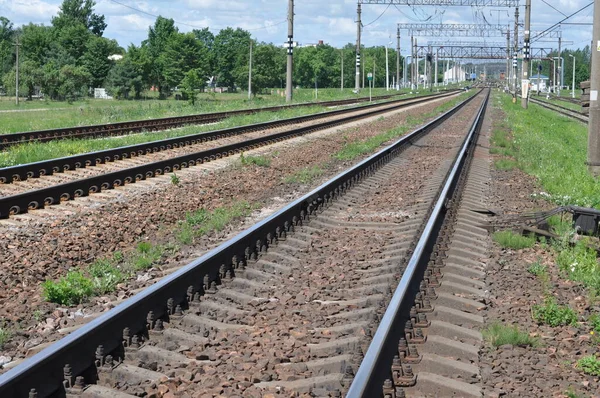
[470,3]
[474,52]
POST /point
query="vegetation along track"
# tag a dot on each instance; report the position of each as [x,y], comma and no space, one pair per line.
[136,126]
[181,153]
[288,304]
[582,117]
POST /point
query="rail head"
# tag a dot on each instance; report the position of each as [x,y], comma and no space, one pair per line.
[46,373]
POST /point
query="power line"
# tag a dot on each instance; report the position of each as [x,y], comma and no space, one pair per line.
[554,8]
[559,22]
[187,24]
[380,15]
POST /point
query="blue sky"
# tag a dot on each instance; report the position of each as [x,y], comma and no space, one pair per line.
[331,21]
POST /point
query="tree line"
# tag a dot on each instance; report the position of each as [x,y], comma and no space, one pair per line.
[69,58]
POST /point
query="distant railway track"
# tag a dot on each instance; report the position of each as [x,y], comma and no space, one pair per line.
[221,301]
[580,116]
[136,126]
[22,202]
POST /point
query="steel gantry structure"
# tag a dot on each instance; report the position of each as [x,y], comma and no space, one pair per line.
[475,52]
[464,3]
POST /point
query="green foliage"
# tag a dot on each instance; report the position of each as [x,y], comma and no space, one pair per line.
[38,315]
[550,313]
[553,149]
[5,336]
[201,222]
[175,179]
[510,240]
[537,269]
[105,276]
[498,334]
[72,289]
[146,256]
[590,365]
[305,175]
[505,164]
[594,321]
[260,160]
[580,263]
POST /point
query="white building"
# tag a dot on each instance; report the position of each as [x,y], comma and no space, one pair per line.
[543,82]
[454,75]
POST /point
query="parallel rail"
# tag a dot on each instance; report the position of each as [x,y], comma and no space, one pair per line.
[37,199]
[72,360]
[58,165]
[376,366]
[580,116]
[136,126]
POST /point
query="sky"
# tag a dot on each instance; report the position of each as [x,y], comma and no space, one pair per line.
[332,21]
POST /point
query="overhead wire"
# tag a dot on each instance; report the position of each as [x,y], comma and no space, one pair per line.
[559,22]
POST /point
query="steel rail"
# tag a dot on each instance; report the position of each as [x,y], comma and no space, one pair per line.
[55,368]
[130,127]
[37,199]
[562,110]
[51,166]
[376,365]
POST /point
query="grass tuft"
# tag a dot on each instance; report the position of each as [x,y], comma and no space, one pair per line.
[510,240]
[537,269]
[498,334]
[261,160]
[305,175]
[550,313]
[5,336]
[72,289]
[505,164]
[590,365]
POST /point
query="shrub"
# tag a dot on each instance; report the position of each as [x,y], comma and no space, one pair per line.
[550,313]
[590,365]
[72,289]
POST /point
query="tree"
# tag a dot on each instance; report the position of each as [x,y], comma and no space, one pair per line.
[268,67]
[74,12]
[96,60]
[182,54]
[124,77]
[7,34]
[231,51]
[159,37]
[191,82]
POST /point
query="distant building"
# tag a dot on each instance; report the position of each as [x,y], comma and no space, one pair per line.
[454,75]
[543,82]
[100,93]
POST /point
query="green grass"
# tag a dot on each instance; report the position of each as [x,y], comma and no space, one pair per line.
[510,240]
[594,322]
[105,276]
[505,164]
[590,365]
[537,269]
[145,256]
[553,149]
[550,313]
[72,289]
[5,336]
[202,221]
[52,114]
[260,160]
[580,263]
[498,334]
[305,175]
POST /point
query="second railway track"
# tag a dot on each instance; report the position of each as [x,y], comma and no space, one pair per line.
[178,153]
[580,116]
[291,303]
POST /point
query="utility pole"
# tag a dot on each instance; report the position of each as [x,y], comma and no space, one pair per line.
[358,27]
[250,73]
[559,69]
[342,77]
[593,158]
[387,68]
[290,52]
[526,49]
[17,45]
[516,49]
[507,77]
[436,67]
[417,66]
[398,61]
[412,62]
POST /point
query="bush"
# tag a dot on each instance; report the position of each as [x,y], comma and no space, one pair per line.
[106,276]
[72,289]
[511,240]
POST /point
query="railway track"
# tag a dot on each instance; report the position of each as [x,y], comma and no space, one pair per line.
[291,303]
[136,126]
[83,178]
[580,116]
